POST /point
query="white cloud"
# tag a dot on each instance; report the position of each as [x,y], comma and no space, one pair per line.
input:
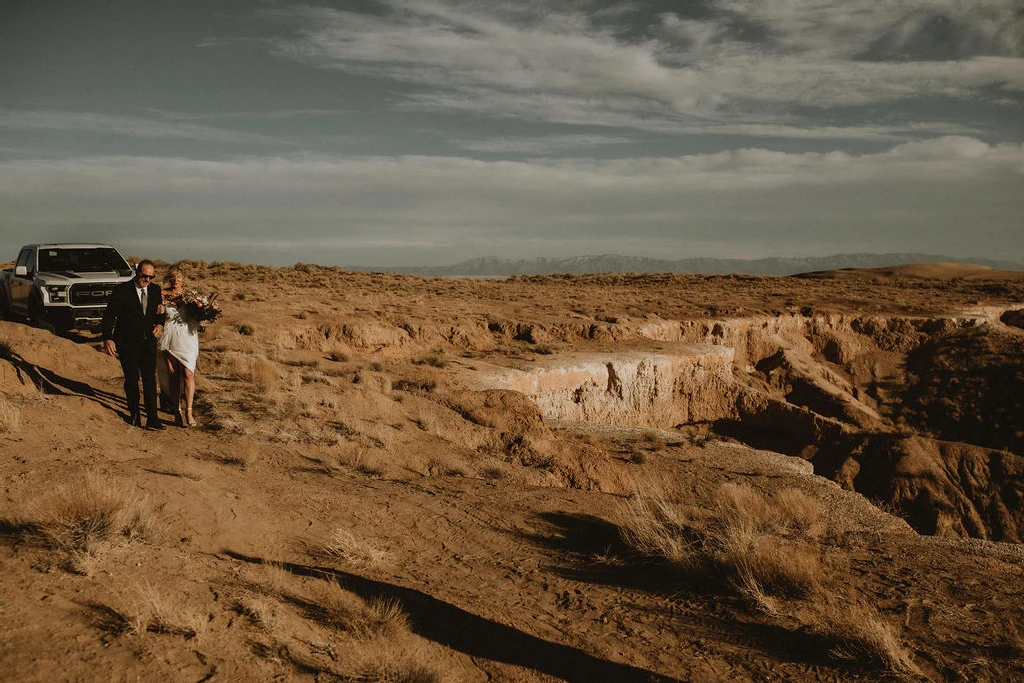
[534,62]
[539,144]
[922,193]
[130,126]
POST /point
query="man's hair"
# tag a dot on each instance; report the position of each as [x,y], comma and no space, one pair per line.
[144,262]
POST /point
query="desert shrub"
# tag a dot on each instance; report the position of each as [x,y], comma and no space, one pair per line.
[340,609]
[434,359]
[773,566]
[262,373]
[762,546]
[492,472]
[349,549]
[426,421]
[156,612]
[10,417]
[636,456]
[424,385]
[406,672]
[246,330]
[364,462]
[701,438]
[6,349]
[652,441]
[77,518]
[744,535]
[338,354]
[859,634]
[261,610]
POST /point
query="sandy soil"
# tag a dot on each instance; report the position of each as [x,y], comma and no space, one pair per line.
[350,508]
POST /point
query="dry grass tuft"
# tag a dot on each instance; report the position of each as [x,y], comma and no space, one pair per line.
[363,461]
[860,634]
[257,369]
[763,547]
[653,441]
[349,549]
[775,567]
[157,612]
[402,672]
[79,517]
[262,612]
[263,374]
[434,359]
[10,417]
[339,354]
[6,349]
[340,609]
[382,617]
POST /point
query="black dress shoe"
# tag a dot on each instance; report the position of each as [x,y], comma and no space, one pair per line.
[155,425]
[134,420]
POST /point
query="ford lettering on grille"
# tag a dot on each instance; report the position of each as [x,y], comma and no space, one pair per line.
[90,295]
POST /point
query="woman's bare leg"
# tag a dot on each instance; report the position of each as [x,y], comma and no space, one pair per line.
[163,376]
[190,393]
[174,369]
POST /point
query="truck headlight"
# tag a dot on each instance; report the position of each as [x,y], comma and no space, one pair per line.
[57,293]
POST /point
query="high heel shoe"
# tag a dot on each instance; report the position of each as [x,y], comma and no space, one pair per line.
[191,422]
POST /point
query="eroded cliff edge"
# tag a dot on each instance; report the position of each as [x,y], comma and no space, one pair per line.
[920,414]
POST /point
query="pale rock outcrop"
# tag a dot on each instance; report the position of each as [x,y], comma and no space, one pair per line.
[693,383]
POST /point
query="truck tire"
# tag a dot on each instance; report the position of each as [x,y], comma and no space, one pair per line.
[35,311]
[5,305]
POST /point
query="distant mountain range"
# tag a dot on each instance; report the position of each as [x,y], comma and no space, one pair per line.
[613,263]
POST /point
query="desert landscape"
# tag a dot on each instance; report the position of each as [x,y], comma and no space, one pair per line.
[539,478]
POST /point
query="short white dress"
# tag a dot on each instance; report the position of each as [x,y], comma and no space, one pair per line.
[180,337]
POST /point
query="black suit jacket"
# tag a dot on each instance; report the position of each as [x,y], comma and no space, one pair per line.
[126,323]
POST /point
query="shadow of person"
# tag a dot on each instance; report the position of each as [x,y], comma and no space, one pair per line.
[54,384]
[477,636]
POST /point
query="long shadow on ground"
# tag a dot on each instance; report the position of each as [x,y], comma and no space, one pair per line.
[54,384]
[479,637]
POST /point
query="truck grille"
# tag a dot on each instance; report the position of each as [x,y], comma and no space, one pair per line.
[90,294]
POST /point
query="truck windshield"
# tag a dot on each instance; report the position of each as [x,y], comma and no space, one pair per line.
[81,260]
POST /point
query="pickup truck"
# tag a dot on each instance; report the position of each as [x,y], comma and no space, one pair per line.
[63,285]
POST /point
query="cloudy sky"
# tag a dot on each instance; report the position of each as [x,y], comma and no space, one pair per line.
[424,132]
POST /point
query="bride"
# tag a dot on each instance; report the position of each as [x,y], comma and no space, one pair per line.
[179,346]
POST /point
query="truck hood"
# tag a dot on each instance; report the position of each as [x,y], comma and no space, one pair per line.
[69,277]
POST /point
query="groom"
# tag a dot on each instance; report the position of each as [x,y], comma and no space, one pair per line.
[131,327]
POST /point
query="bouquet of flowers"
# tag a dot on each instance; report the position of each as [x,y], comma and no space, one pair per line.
[200,306]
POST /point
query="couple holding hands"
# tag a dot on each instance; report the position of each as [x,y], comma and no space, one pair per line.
[143,325]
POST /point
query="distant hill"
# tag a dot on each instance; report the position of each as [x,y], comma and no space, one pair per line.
[613,263]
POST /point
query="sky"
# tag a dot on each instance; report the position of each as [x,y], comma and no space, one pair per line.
[426,132]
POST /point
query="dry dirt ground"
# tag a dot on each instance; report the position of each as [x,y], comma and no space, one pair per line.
[406,479]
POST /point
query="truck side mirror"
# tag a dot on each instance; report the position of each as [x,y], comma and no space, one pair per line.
[20,271]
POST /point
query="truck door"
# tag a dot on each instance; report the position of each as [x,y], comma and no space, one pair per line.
[21,285]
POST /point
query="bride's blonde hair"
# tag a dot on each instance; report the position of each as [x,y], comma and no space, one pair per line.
[172,273]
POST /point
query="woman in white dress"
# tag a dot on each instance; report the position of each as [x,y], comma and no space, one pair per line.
[179,346]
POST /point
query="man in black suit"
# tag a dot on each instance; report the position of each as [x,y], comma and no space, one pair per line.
[131,327]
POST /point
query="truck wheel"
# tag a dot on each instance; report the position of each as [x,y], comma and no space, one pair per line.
[5,305]
[35,312]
